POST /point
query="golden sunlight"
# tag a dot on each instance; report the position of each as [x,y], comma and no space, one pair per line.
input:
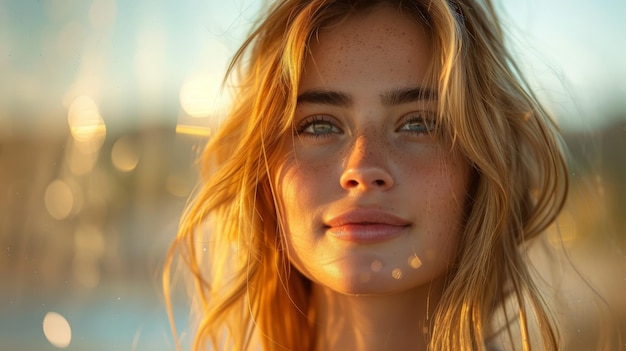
[125,154]
[178,185]
[193,130]
[57,330]
[201,95]
[86,124]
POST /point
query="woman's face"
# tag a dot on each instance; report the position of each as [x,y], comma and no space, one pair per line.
[372,203]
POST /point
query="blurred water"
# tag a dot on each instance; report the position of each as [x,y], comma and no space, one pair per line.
[108,289]
[124,320]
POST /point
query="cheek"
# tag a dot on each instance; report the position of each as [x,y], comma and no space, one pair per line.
[304,176]
[299,184]
[439,194]
[453,199]
[302,188]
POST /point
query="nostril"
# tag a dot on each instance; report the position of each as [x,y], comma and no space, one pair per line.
[353,183]
[366,178]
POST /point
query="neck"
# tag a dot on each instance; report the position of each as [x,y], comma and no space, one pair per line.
[389,322]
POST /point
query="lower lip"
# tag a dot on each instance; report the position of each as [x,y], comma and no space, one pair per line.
[366,233]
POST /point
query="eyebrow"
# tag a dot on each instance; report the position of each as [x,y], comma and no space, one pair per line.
[325,97]
[393,97]
[407,95]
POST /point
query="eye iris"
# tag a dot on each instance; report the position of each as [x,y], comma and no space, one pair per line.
[321,128]
[417,126]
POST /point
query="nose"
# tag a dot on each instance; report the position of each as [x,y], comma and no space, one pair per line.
[366,167]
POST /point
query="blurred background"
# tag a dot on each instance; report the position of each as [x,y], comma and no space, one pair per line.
[105,104]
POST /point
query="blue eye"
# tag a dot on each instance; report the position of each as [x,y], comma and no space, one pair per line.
[418,123]
[317,126]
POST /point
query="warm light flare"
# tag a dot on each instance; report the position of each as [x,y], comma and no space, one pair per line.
[125,154]
[397,273]
[178,185]
[193,130]
[415,262]
[57,330]
[86,124]
[201,95]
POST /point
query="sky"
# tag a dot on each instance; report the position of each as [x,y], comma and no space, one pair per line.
[145,61]
[574,52]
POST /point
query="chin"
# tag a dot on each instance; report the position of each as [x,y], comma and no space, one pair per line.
[381,283]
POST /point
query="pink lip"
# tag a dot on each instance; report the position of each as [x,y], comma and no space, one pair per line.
[366,226]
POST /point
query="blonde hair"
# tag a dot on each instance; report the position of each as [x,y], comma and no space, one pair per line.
[244,287]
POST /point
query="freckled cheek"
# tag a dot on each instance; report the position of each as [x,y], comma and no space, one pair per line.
[449,193]
[439,183]
[419,167]
[304,185]
[306,171]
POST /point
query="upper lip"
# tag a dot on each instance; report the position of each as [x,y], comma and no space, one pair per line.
[367,216]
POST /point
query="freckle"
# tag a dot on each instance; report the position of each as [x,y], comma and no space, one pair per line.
[377,266]
[415,262]
[397,273]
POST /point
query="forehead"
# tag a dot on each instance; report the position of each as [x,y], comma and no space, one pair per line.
[372,43]
[380,22]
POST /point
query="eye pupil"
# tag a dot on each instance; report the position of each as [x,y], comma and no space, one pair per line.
[418,124]
[321,128]
[317,127]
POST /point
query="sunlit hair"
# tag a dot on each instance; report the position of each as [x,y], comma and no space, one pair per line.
[231,238]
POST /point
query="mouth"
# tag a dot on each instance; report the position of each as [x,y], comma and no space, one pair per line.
[366,226]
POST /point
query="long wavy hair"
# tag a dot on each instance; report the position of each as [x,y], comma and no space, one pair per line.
[230,242]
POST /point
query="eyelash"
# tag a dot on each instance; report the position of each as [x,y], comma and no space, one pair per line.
[425,120]
[312,121]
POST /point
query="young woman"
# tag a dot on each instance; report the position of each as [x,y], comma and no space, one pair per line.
[374,186]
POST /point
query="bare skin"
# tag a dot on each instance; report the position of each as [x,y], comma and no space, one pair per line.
[347,322]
